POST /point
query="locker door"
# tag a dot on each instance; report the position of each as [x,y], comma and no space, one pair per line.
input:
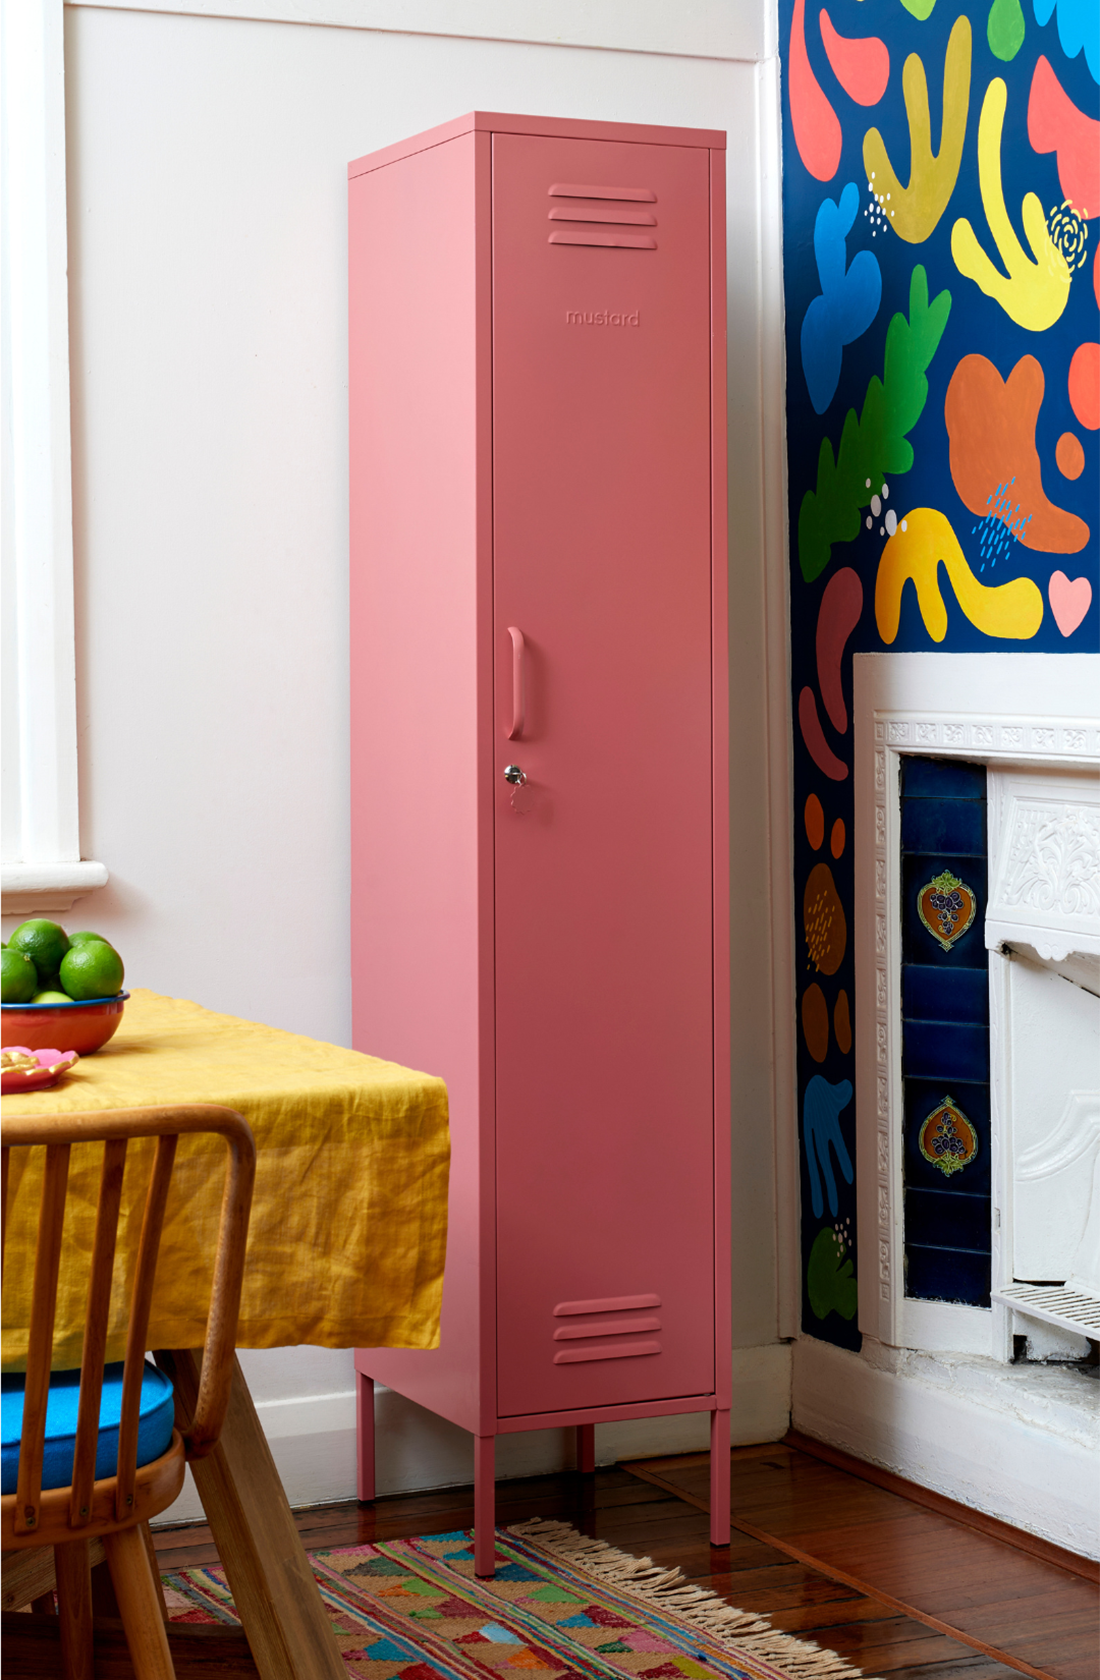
[601,427]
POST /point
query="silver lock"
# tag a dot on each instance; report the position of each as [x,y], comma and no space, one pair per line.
[515,775]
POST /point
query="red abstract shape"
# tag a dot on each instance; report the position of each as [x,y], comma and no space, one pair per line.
[994,461]
[1084,386]
[816,128]
[862,67]
[837,617]
[1069,456]
[814,736]
[1054,124]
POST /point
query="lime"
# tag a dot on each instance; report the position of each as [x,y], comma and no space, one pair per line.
[45,944]
[92,970]
[51,997]
[84,936]
[19,976]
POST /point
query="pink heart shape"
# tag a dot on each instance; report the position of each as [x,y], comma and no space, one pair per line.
[1070,599]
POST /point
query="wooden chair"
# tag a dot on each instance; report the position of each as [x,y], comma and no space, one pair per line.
[113,1508]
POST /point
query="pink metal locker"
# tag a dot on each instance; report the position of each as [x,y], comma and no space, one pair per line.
[539,756]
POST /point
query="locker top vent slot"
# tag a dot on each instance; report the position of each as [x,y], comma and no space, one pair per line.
[603,236]
[599,213]
[609,1303]
[625,195]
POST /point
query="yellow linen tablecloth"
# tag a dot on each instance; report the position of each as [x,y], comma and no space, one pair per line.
[349,1218]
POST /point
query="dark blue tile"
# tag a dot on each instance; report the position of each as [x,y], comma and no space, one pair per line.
[922,1098]
[947,1219]
[919,945]
[943,825]
[946,1050]
[947,1274]
[935,993]
[941,778]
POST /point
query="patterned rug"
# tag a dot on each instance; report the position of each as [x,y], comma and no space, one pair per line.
[561,1607]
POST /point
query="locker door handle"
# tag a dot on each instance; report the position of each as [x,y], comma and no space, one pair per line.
[519,684]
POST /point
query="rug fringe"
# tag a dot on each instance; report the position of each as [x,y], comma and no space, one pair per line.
[666,1589]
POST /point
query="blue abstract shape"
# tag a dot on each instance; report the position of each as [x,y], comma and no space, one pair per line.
[849,298]
[1078,26]
[821,1108]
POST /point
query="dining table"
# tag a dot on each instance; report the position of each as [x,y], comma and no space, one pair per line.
[346,1248]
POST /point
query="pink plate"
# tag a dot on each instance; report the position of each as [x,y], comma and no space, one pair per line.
[52,1066]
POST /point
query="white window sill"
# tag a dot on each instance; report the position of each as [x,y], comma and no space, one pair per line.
[34,889]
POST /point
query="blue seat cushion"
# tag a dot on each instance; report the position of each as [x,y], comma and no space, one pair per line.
[154,1429]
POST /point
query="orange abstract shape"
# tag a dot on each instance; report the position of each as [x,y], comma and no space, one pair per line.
[1070,599]
[836,838]
[1069,455]
[814,818]
[991,424]
[1031,293]
[862,67]
[842,1023]
[837,617]
[823,920]
[816,128]
[814,736]
[1054,124]
[1084,392]
[815,1022]
[914,552]
[913,211]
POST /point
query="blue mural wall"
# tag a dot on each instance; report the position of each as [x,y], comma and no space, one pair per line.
[941,193]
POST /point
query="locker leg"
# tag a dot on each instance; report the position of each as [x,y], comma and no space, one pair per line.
[364,1435]
[586,1448]
[485,1551]
[719,1478]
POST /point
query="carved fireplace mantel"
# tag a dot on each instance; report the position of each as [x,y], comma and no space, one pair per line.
[1026,716]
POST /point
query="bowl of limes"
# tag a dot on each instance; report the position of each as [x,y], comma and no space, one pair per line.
[60,989]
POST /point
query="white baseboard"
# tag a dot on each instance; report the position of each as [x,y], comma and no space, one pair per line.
[1017,1442]
[312,1438]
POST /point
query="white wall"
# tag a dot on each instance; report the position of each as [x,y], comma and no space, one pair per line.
[206,179]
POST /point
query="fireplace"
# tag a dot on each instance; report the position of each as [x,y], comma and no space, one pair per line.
[1015,920]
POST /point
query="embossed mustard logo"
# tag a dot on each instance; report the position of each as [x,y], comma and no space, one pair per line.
[600,318]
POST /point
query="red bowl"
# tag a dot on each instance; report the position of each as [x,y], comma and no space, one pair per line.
[83,1027]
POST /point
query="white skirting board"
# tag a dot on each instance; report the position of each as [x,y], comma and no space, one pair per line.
[1018,1442]
[312,1436]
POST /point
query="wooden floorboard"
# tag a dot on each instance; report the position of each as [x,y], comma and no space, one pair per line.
[631,1513]
[814,1551]
[1009,1604]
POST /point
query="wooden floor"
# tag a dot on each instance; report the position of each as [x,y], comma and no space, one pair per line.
[899,1590]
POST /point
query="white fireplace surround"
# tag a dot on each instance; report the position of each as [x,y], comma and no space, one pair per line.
[1030,711]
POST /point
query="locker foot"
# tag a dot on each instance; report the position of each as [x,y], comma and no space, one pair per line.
[485,1551]
[364,1437]
[586,1448]
[719,1478]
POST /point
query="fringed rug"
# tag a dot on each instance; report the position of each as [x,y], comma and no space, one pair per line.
[561,1607]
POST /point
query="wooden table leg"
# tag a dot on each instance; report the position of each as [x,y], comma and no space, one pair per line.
[289,1633]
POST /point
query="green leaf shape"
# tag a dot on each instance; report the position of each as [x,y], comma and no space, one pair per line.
[875,444]
[1005,29]
[830,1282]
[921,9]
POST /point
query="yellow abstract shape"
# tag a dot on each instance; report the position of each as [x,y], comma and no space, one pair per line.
[921,541]
[1034,293]
[913,211]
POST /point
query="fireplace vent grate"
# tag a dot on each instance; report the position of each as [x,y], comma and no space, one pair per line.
[1071,1309]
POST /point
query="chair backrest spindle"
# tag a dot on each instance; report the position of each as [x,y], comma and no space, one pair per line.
[95,1329]
[152,1224]
[47,1269]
